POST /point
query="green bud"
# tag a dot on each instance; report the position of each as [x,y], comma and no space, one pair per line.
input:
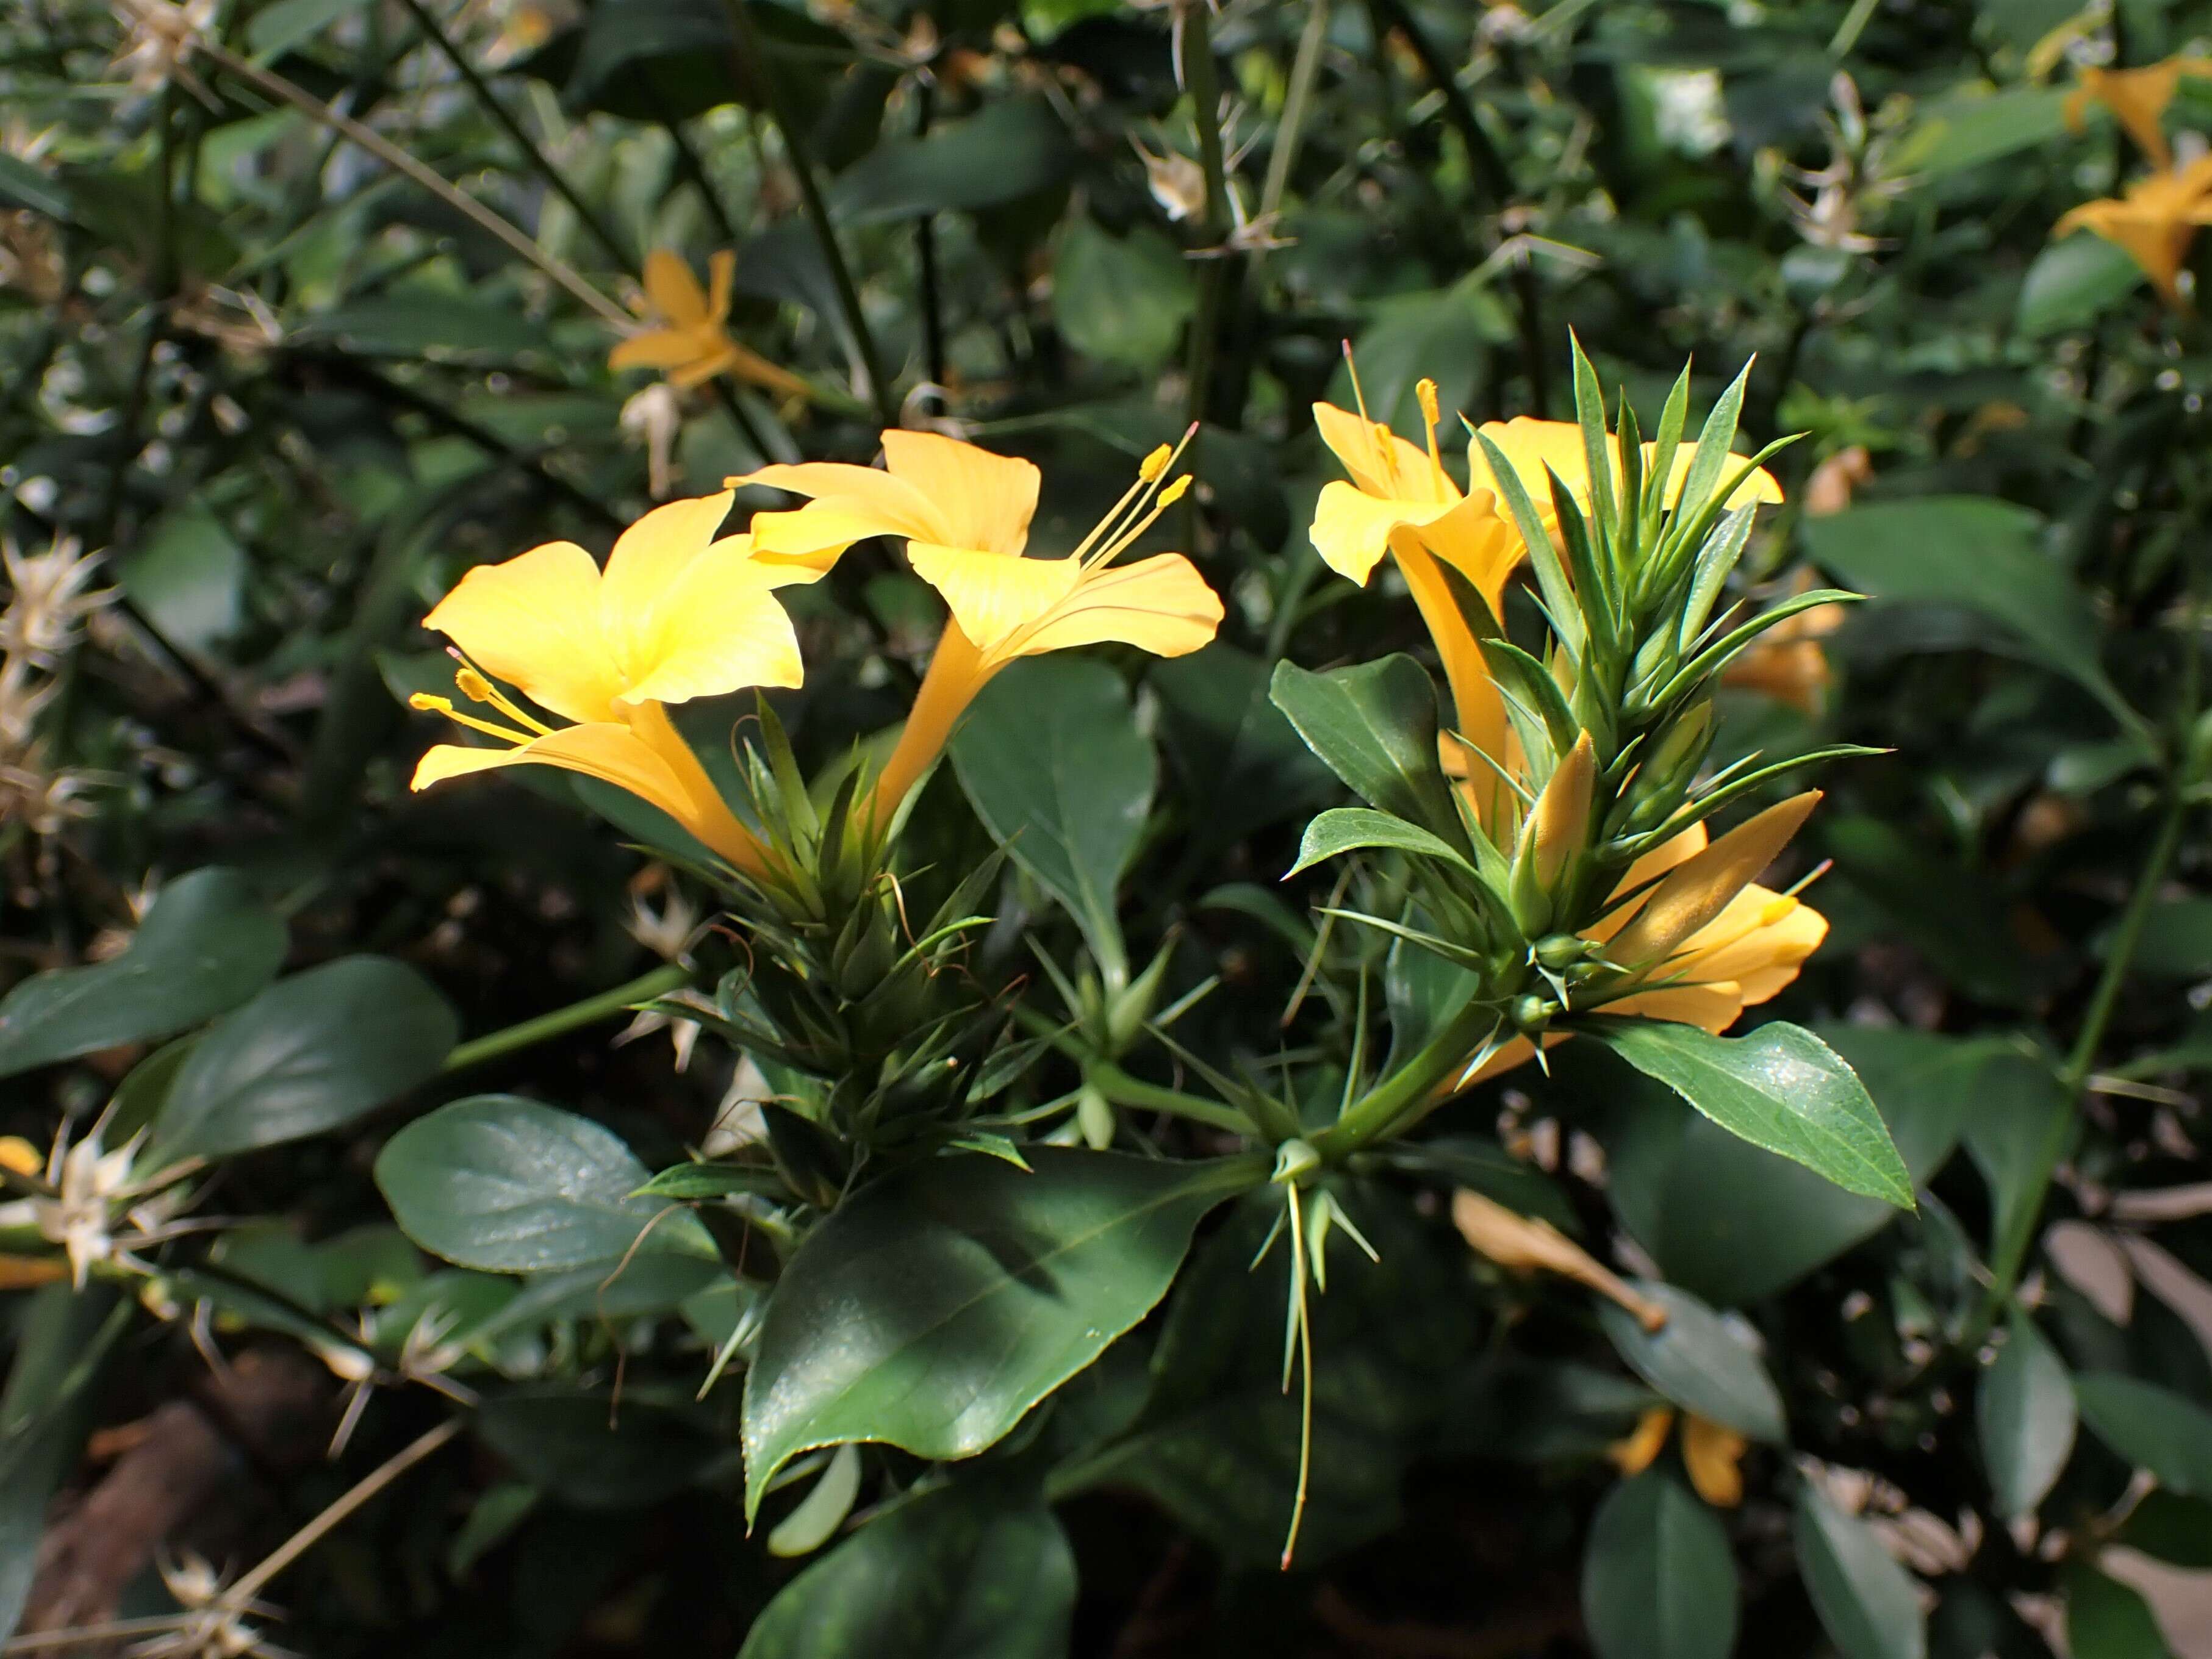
[1094,1115]
[1531,1013]
[1560,951]
[1295,1161]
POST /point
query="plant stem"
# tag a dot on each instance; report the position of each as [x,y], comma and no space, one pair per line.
[604,1005]
[1393,1105]
[925,255]
[536,157]
[1305,68]
[754,61]
[1214,225]
[1118,1086]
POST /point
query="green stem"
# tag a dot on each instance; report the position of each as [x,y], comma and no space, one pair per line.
[817,210]
[604,1005]
[1118,1086]
[1305,68]
[1214,226]
[536,156]
[1401,1098]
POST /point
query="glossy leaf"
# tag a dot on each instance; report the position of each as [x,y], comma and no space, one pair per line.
[2024,1415]
[1358,828]
[1375,727]
[1866,1600]
[506,1185]
[1122,299]
[1698,1363]
[1781,1088]
[2154,1428]
[309,1054]
[1658,1581]
[206,945]
[935,1307]
[973,1569]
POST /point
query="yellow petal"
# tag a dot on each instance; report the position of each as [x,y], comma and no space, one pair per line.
[957,672]
[1759,487]
[1699,889]
[1531,446]
[656,348]
[752,366]
[716,356]
[721,274]
[1160,604]
[1351,529]
[1559,823]
[674,291]
[719,628]
[533,621]
[982,500]
[990,595]
[1713,1455]
[1712,1008]
[1381,463]
[1476,542]
[1527,1244]
[1634,1454]
[647,561]
[851,503]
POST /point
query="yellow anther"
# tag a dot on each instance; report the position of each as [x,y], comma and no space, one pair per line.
[475,687]
[19,1155]
[1431,412]
[1176,491]
[1155,464]
[423,703]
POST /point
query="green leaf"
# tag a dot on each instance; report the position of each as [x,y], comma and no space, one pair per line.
[2107,1619]
[1972,127]
[823,1510]
[1956,915]
[1978,554]
[658,61]
[2154,1428]
[2022,1105]
[975,1568]
[2176,942]
[1054,763]
[42,1423]
[1352,829]
[276,29]
[309,1054]
[1658,1581]
[1441,334]
[2024,1415]
[2169,1527]
[420,323]
[1698,1363]
[1375,727]
[1241,765]
[1121,300]
[505,1185]
[2073,282]
[207,945]
[580,1448]
[1867,1602]
[1010,149]
[28,187]
[938,1306]
[187,575]
[1781,1088]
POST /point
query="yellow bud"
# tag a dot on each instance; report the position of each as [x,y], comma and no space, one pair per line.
[423,703]
[1155,464]
[1559,823]
[1712,1454]
[1426,390]
[19,1155]
[1633,1453]
[474,686]
[1699,889]
[1176,491]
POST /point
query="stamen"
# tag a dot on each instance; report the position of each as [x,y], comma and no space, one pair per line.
[1359,397]
[1426,390]
[1155,464]
[423,702]
[476,686]
[1808,878]
[1117,517]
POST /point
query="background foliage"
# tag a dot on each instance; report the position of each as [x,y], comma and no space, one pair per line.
[291,395]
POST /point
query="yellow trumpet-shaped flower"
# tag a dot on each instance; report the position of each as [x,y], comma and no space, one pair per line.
[676,614]
[1700,940]
[2138,98]
[1712,1455]
[692,344]
[2154,221]
[964,516]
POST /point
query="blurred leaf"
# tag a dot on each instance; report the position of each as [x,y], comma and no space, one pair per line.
[1979,554]
[28,186]
[672,60]
[2154,1428]
[2025,1413]
[276,29]
[1698,1363]
[2107,1619]
[1241,765]
[1658,1581]
[2073,282]
[421,322]
[1441,335]
[1781,1088]
[1010,149]
[1955,915]
[207,945]
[509,1186]
[1969,128]
[309,1054]
[2169,1527]
[1053,760]
[2017,1106]
[1375,727]
[1488,1168]
[1121,300]
[934,1309]
[583,1450]
[42,1423]
[2176,941]
[976,1569]
[187,577]
[1868,1603]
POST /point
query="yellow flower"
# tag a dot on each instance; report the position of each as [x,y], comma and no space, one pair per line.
[693,345]
[2138,97]
[676,614]
[1532,446]
[1700,940]
[1713,1455]
[964,514]
[1526,1244]
[2155,221]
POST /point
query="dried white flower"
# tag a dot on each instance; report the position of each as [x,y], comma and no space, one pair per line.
[46,599]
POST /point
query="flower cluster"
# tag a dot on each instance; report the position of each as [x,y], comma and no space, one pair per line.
[49,596]
[2155,219]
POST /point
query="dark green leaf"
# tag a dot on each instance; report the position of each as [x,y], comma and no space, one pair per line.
[973,1569]
[2154,1428]
[1658,1581]
[2019,1106]
[187,575]
[1121,300]
[1698,1363]
[28,187]
[309,1054]
[1010,149]
[2024,1415]
[1781,1088]
[41,1425]
[937,1307]
[1355,829]
[2107,1619]
[1375,727]
[2169,1527]
[207,945]
[1241,765]
[594,1453]
[2073,282]
[1867,1602]
[509,1186]
[1970,128]
[414,325]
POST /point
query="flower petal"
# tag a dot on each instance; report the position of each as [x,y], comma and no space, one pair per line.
[851,503]
[721,273]
[992,594]
[674,291]
[533,621]
[656,348]
[1698,890]
[1350,529]
[982,500]
[1160,604]
[1381,463]
[717,629]
[647,561]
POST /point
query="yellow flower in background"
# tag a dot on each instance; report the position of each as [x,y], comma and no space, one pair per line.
[2138,98]
[1789,663]
[2155,221]
[693,345]
[676,614]
[1527,1244]
[1712,1455]
[964,516]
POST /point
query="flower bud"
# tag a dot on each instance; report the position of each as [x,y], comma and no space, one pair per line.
[1531,1013]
